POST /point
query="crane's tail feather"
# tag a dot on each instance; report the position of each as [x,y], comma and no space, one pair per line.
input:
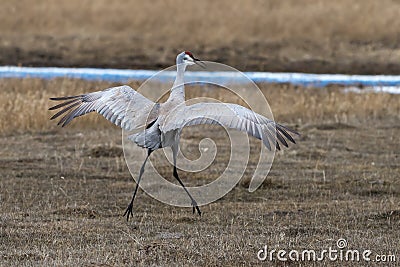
[65,97]
[288,129]
[64,110]
[73,106]
[284,130]
[271,137]
[64,104]
[277,134]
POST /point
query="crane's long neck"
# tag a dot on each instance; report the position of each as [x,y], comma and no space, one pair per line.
[178,89]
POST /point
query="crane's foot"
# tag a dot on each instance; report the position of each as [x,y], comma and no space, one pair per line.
[195,207]
[128,212]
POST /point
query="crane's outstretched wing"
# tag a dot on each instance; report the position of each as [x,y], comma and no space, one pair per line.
[121,105]
[231,116]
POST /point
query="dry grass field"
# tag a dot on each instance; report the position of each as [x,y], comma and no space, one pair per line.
[24,103]
[63,191]
[349,36]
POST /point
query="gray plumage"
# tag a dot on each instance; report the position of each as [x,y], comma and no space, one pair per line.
[164,122]
[121,105]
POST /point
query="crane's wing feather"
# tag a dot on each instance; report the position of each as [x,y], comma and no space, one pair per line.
[121,105]
[231,116]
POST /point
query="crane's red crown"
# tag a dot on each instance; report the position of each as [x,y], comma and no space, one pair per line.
[189,54]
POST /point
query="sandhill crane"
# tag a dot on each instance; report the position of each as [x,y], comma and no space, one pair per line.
[164,122]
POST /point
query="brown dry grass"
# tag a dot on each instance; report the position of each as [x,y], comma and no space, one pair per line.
[63,191]
[297,35]
[204,22]
[24,103]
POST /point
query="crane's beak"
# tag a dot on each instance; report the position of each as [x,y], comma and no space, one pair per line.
[199,62]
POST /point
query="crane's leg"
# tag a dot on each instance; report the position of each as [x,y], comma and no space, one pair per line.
[128,211]
[194,203]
